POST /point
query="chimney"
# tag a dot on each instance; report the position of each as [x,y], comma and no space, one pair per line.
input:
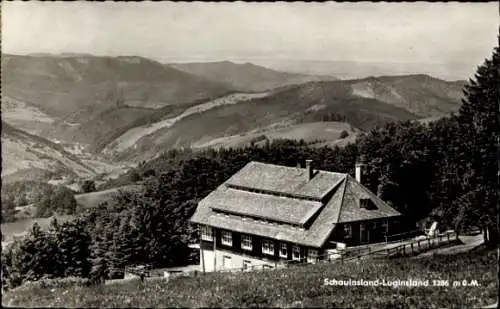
[309,169]
[360,170]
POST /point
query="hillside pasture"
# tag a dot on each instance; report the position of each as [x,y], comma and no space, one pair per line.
[298,286]
[19,228]
[309,132]
[94,199]
[130,138]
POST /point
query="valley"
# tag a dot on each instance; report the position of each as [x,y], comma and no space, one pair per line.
[97,117]
[22,152]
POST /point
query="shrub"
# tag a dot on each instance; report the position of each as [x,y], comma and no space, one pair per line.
[88,186]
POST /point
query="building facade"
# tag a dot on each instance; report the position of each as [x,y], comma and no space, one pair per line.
[268,215]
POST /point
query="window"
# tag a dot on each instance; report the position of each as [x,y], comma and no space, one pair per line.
[246,242]
[296,253]
[385,226]
[246,264]
[374,225]
[361,228]
[268,247]
[227,238]
[347,231]
[312,256]
[284,251]
[207,233]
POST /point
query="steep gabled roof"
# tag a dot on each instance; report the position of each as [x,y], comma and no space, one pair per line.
[305,212]
[285,180]
[351,210]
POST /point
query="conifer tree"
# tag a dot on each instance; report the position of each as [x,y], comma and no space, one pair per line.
[478,118]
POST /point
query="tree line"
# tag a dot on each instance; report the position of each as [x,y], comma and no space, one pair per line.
[446,170]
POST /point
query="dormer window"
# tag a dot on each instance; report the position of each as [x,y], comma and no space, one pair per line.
[366,203]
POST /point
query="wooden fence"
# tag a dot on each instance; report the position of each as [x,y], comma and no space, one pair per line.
[407,248]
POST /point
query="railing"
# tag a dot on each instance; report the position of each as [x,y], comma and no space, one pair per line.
[410,247]
[424,243]
[397,237]
[414,246]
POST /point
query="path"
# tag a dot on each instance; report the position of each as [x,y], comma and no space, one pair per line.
[468,243]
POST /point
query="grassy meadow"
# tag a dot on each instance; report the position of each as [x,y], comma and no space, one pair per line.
[298,286]
[19,228]
[93,199]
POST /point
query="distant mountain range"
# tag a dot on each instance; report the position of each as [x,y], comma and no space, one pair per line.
[248,76]
[129,109]
[450,71]
[85,85]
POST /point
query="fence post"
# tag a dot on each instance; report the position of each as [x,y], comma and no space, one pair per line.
[429,240]
[411,248]
[418,244]
[448,236]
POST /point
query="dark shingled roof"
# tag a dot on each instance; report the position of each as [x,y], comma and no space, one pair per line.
[286,180]
[285,209]
[279,202]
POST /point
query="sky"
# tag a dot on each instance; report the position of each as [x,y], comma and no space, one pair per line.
[174,31]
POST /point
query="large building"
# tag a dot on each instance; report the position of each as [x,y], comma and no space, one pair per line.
[268,214]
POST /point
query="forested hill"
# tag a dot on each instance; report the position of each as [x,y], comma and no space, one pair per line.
[362,104]
[89,98]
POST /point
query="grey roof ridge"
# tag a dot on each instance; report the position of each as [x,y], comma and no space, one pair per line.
[313,211]
[342,199]
[334,185]
[271,192]
[340,210]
